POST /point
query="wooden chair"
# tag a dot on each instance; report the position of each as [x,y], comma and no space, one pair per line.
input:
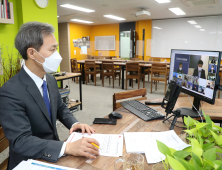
[161,68]
[128,95]
[154,59]
[74,68]
[91,69]
[109,70]
[135,59]
[3,145]
[135,73]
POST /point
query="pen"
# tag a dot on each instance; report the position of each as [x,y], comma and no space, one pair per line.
[95,145]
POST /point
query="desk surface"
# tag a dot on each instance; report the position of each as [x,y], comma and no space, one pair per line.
[67,76]
[131,123]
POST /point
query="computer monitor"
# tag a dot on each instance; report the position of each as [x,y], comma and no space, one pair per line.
[198,74]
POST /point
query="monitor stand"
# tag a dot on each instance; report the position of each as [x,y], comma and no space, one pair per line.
[180,112]
[191,111]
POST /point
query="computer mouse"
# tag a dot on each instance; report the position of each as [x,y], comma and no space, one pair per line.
[115,115]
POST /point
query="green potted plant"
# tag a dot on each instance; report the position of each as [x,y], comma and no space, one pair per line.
[9,64]
[203,154]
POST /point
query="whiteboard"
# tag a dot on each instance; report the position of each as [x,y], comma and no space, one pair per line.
[179,34]
[105,43]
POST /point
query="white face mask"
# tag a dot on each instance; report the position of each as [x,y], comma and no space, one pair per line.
[199,68]
[51,63]
[212,68]
[180,69]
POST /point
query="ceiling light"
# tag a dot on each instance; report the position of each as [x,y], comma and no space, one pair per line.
[202,29]
[197,26]
[78,20]
[57,16]
[192,22]
[157,28]
[177,11]
[77,8]
[162,1]
[114,17]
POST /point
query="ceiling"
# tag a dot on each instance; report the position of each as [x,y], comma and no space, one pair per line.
[127,9]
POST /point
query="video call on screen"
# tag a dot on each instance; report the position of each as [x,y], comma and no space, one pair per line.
[196,73]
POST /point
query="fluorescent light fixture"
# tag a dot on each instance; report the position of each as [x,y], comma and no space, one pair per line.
[192,22]
[83,21]
[162,1]
[77,8]
[157,28]
[197,26]
[202,29]
[57,16]
[177,11]
[114,17]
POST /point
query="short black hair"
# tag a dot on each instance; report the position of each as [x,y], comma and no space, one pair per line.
[212,65]
[181,64]
[200,62]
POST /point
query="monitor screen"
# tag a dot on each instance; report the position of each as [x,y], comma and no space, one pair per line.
[196,71]
[83,49]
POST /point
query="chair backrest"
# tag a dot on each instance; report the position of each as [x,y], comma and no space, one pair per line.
[90,64]
[108,66]
[132,66]
[159,68]
[74,65]
[128,95]
[3,145]
[154,59]
[135,59]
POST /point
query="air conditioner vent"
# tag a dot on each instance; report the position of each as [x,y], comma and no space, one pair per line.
[191,3]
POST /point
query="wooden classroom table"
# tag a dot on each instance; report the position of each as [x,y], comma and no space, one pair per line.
[131,123]
[70,76]
[121,63]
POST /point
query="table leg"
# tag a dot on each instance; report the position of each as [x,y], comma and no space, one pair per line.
[122,76]
[83,73]
[61,83]
[80,91]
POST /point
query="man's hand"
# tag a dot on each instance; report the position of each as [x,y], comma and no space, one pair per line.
[83,127]
[83,147]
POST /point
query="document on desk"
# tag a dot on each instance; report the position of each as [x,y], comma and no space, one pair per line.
[110,144]
[145,142]
[37,165]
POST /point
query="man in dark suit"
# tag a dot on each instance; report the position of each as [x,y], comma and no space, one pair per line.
[212,69]
[213,61]
[180,69]
[30,103]
[199,71]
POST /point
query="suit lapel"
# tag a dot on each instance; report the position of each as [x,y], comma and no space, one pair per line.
[52,96]
[35,93]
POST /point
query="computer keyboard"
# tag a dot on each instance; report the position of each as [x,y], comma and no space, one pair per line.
[141,110]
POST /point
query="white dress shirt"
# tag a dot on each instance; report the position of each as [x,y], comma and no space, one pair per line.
[38,81]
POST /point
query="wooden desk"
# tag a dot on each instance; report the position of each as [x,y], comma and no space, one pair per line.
[70,76]
[121,63]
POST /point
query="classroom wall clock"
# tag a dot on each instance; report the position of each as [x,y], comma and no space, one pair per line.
[42,3]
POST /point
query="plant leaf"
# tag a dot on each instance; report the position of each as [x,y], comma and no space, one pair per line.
[176,165]
[207,146]
[201,125]
[181,154]
[220,167]
[210,154]
[185,163]
[172,150]
[217,164]
[208,164]
[196,148]
[197,161]
[188,149]
[163,148]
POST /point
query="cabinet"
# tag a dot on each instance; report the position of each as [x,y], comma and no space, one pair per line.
[11,20]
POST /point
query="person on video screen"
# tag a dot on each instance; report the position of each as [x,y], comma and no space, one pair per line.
[179,70]
[212,69]
[213,61]
[199,71]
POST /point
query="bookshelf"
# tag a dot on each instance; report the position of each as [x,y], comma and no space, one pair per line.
[11,20]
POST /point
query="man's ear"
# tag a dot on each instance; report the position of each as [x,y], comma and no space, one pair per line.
[31,53]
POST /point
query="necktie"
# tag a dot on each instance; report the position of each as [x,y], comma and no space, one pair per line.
[46,98]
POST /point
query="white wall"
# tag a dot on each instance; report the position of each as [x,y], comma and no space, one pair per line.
[179,34]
